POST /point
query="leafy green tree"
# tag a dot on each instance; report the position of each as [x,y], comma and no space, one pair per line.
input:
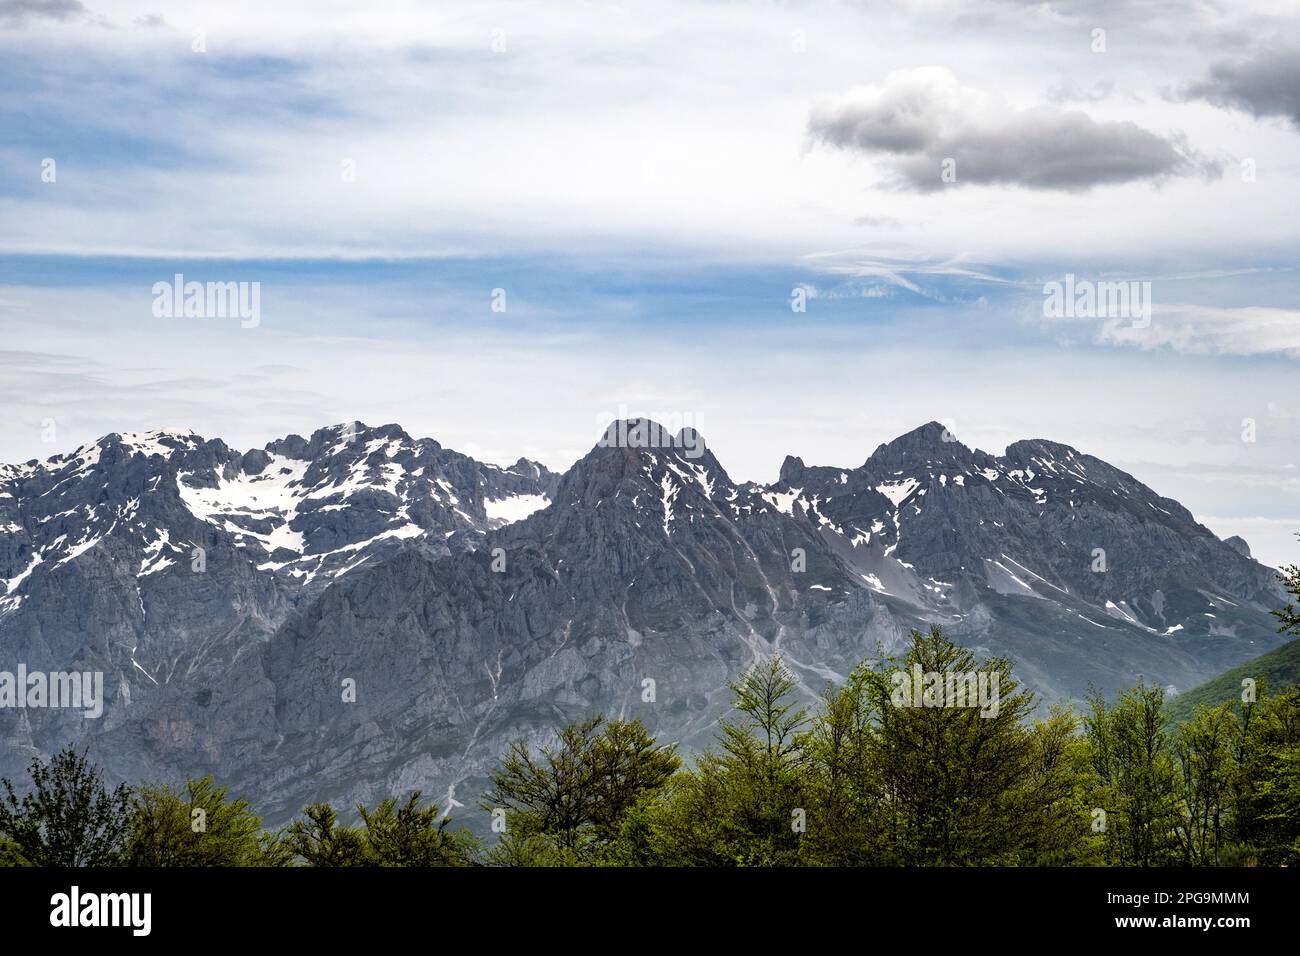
[627,763]
[274,849]
[69,818]
[1052,815]
[412,835]
[11,855]
[846,789]
[575,793]
[691,823]
[897,780]
[319,839]
[1267,795]
[881,778]
[1204,749]
[746,805]
[392,834]
[197,826]
[1137,782]
[638,839]
[952,769]
[538,849]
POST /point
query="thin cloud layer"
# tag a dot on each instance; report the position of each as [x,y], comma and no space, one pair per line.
[1205,330]
[639,175]
[20,11]
[929,131]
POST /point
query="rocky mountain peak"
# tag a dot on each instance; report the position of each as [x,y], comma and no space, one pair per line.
[159,441]
[1056,458]
[639,453]
[792,471]
[645,433]
[931,443]
[1238,544]
[222,592]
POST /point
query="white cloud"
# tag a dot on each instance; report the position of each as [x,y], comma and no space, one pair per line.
[96,361]
[1211,330]
[607,134]
[675,123]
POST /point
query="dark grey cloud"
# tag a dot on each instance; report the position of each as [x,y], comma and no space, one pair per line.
[21,11]
[1264,84]
[922,121]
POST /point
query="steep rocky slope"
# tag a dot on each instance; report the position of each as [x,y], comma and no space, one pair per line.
[368,623]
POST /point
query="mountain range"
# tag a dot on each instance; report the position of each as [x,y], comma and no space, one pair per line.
[360,613]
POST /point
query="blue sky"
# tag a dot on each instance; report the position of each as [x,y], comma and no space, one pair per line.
[649,186]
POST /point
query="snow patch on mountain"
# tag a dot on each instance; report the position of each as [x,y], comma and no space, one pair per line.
[272,496]
[513,508]
[898,491]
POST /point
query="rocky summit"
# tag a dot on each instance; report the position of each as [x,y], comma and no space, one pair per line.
[359,613]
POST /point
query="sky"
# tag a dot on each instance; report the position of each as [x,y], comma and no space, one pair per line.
[801,227]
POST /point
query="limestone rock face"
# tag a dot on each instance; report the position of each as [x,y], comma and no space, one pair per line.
[162,559]
[377,613]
